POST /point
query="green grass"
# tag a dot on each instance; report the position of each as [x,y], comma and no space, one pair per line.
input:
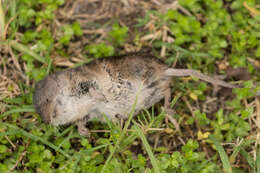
[147,148]
[24,49]
[122,135]
[223,156]
[210,36]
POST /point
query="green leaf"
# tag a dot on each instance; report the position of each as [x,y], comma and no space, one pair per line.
[257,53]
[118,34]
[100,50]
[77,29]
[3,149]
[220,117]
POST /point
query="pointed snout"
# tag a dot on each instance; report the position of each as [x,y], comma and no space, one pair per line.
[46,119]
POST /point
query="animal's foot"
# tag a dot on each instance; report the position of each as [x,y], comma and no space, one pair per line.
[169,113]
[83,131]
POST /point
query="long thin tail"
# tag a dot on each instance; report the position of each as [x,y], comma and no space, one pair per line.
[189,72]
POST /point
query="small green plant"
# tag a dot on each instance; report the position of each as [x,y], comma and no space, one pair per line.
[187,161]
[219,31]
[100,50]
[118,35]
[29,13]
[69,31]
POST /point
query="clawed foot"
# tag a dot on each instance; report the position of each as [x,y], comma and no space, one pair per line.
[83,131]
[168,110]
[169,113]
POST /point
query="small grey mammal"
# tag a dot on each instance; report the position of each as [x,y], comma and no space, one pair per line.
[108,86]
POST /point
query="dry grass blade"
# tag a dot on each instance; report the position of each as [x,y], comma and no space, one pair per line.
[253,11]
[5,84]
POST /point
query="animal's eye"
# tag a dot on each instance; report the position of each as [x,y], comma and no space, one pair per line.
[47,100]
[117,116]
[54,113]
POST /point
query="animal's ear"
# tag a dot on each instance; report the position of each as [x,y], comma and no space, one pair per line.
[96,94]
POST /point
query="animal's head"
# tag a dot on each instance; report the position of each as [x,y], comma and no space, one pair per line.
[46,91]
[60,99]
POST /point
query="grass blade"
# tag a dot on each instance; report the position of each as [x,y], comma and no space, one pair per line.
[147,148]
[258,161]
[49,66]
[248,158]
[238,148]
[222,154]
[121,136]
[24,49]
[19,110]
[129,140]
[175,99]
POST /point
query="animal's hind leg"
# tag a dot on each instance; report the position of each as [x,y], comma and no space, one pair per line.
[168,110]
[82,128]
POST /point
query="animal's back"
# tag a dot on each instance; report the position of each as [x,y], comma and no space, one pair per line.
[124,79]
